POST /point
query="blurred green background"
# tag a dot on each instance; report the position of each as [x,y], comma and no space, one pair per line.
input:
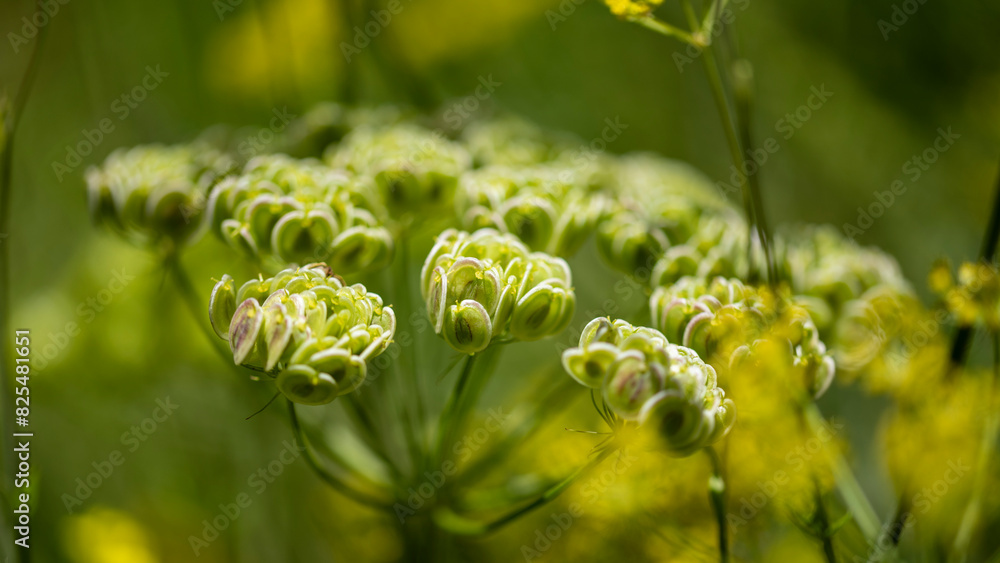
[566,65]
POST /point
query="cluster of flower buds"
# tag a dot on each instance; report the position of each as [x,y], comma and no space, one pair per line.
[670,219]
[512,141]
[644,378]
[306,327]
[973,296]
[819,262]
[413,167]
[728,323]
[150,193]
[327,124]
[486,285]
[551,208]
[300,211]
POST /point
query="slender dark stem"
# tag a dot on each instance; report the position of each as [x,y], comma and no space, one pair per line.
[717,495]
[823,519]
[7,137]
[987,253]
[329,478]
[460,525]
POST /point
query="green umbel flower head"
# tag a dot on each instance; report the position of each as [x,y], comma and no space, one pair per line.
[154,192]
[551,208]
[305,327]
[414,168]
[670,219]
[299,211]
[644,378]
[487,285]
[725,322]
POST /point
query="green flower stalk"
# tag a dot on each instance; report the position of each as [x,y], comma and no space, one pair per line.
[148,194]
[662,386]
[414,168]
[300,211]
[487,286]
[551,208]
[304,326]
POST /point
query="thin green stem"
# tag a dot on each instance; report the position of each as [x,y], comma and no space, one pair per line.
[664,28]
[369,433]
[450,412]
[198,312]
[327,477]
[457,524]
[847,484]
[717,496]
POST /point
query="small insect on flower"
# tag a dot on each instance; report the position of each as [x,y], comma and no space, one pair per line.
[304,326]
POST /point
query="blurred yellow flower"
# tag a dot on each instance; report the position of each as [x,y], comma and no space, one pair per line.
[632,8]
[106,535]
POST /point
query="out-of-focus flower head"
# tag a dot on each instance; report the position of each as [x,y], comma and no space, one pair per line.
[512,141]
[150,193]
[551,208]
[631,9]
[644,378]
[299,211]
[670,219]
[306,327]
[973,296]
[487,285]
[729,324]
[818,261]
[327,124]
[890,342]
[415,169]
